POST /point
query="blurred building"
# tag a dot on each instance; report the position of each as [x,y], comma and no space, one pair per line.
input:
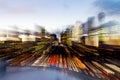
[26,38]
[9,35]
[92,24]
[77,32]
[107,33]
[63,38]
[66,36]
[42,32]
[33,36]
[89,39]
[85,33]
[68,31]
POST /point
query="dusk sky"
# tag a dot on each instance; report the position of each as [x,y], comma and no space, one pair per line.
[53,14]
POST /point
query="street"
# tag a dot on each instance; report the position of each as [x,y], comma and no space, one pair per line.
[62,62]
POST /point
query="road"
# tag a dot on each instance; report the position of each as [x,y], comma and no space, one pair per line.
[43,61]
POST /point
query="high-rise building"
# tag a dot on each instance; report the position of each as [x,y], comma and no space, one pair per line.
[90,23]
[77,32]
[42,32]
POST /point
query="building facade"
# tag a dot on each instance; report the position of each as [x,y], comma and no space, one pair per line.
[77,32]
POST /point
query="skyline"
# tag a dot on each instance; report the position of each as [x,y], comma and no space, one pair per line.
[53,14]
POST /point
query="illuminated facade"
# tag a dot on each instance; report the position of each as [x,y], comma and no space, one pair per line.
[77,32]
[9,35]
[107,33]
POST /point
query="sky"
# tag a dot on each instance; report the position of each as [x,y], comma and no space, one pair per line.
[53,14]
